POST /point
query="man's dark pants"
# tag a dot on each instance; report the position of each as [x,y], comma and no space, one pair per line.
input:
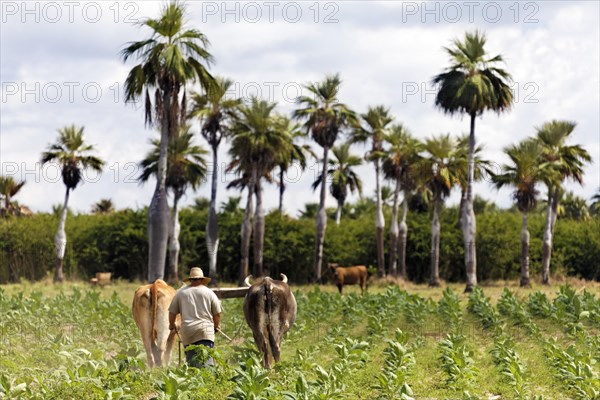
[193,356]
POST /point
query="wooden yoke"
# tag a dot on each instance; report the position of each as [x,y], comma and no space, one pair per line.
[230,293]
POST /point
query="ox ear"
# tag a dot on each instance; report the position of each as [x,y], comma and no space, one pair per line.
[247,281]
[284,278]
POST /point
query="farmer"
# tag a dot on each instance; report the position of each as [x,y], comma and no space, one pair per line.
[200,311]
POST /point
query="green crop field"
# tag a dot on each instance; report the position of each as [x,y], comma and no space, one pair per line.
[73,341]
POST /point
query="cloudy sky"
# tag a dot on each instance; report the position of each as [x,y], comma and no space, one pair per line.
[60,66]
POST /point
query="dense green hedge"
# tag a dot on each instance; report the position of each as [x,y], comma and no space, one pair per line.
[117,243]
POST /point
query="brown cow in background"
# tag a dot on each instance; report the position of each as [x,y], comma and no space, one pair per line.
[349,276]
[151,314]
[270,311]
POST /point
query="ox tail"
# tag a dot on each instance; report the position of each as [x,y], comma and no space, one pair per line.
[154,307]
[271,327]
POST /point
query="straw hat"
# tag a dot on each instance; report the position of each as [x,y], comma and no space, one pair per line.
[196,273]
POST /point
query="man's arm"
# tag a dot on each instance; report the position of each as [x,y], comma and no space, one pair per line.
[172,321]
[217,321]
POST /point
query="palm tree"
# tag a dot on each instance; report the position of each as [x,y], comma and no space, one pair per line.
[232,205]
[324,118]
[569,161]
[243,182]
[297,154]
[471,85]
[376,125]
[438,171]
[595,206]
[343,178]
[72,155]
[387,196]
[257,147]
[170,58]
[398,166]
[420,200]
[310,211]
[523,172]
[57,210]
[575,207]
[482,205]
[201,203]
[104,206]
[186,167]
[9,189]
[215,111]
[363,206]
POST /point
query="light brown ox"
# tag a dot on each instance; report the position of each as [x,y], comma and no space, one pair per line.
[101,279]
[270,311]
[151,314]
[349,276]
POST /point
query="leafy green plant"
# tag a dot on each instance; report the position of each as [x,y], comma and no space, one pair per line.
[574,370]
[450,310]
[457,362]
[398,363]
[392,385]
[375,326]
[303,391]
[570,311]
[509,305]
[252,381]
[510,364]
[329,384]
[418,308]
[592,305]
[538,305]
[481,306]
[10,387]
[592,342]
[353,351]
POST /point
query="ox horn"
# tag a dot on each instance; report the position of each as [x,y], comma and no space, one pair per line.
[284,278]
[247,281]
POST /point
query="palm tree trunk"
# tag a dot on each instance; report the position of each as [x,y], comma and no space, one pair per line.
[321,219]
[547,241]
[402,236]
[281,189]
[158,212]
[259,229]
[555,199]
[462,209]
[524,252]
[174,246]
[434,280]
[60,241]
[212,225]
[394,233]
[469,223]
[246,235]
[338,212]
[379,225]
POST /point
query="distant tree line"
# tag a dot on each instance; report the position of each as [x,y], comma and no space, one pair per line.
[117,242]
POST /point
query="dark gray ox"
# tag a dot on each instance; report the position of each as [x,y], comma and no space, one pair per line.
[270,311]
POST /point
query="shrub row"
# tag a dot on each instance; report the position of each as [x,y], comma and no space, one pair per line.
[117,243]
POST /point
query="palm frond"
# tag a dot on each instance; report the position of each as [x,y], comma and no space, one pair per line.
[473,83]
